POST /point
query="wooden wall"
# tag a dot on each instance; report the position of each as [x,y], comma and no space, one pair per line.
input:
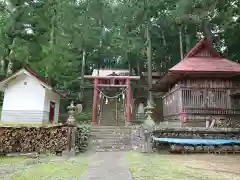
[201,100]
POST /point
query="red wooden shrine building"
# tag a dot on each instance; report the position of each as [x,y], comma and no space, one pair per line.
[202,90]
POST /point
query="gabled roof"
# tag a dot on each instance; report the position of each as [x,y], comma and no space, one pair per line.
[203,43]
[28,70]
[202,60]
[205,58]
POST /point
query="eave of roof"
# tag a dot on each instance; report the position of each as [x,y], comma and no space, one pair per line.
[28,69]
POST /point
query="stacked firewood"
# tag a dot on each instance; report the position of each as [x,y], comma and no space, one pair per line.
[199,134]
[217,149]
[33,139]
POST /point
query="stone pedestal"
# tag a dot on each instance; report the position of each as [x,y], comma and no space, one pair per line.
[73,140]
[145,133]
[71,130]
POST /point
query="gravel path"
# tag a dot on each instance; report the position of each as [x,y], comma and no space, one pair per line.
[107,166]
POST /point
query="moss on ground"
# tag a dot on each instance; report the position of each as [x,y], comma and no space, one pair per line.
[58,168]
[11,160]
[169,167]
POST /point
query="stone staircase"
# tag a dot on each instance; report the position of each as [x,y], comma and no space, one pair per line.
[110,138]
[112,115]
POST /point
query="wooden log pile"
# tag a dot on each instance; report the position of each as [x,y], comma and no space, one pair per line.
[198,133]
[178,148]
[33,139]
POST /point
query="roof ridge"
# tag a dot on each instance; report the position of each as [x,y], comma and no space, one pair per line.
[199,45]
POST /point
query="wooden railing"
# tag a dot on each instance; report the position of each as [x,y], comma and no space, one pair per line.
[206,98]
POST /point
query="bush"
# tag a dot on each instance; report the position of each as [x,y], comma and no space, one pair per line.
[84,117]
[82,137]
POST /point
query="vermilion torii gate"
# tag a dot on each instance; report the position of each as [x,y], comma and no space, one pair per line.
[114,82]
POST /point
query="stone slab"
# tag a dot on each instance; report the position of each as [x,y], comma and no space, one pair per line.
[107,166]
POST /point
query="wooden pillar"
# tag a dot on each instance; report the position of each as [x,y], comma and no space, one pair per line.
[95,102]
[129,97]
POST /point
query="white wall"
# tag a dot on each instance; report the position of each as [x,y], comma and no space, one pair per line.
[23,103]
[51,96]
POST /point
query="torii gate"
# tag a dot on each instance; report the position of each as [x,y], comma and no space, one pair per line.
[103,81]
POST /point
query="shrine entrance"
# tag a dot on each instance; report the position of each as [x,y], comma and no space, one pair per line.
[112,99]
[112,109]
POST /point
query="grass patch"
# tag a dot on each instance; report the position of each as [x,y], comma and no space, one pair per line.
[59,168]
[11,160]
[167,167]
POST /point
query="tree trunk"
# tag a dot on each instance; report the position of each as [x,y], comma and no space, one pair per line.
[10,59]
[166,54]
[181,42]
[187,39]
[10,67]
[138,67]
[207,31]
[2,65]
[149,62]
[129,63]
[53,29]
[82,74]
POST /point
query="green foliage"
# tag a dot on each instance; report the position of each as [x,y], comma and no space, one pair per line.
[82,137]
[84,117]
[52,35]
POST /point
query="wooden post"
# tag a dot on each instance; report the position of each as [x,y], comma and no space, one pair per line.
[95,100]
[129,100]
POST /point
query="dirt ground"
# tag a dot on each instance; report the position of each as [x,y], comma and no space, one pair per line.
[157,166]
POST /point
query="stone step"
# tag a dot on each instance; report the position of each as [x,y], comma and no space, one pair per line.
[111,121]
[117,132]
[112,149]
[103,144]
[111,140]
[106,119]
[104,136]
[110,127]
[112,124]
[108,141]
[110,144]
[111,131]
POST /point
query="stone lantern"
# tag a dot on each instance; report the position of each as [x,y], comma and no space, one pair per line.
[149,110]
[71,111]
